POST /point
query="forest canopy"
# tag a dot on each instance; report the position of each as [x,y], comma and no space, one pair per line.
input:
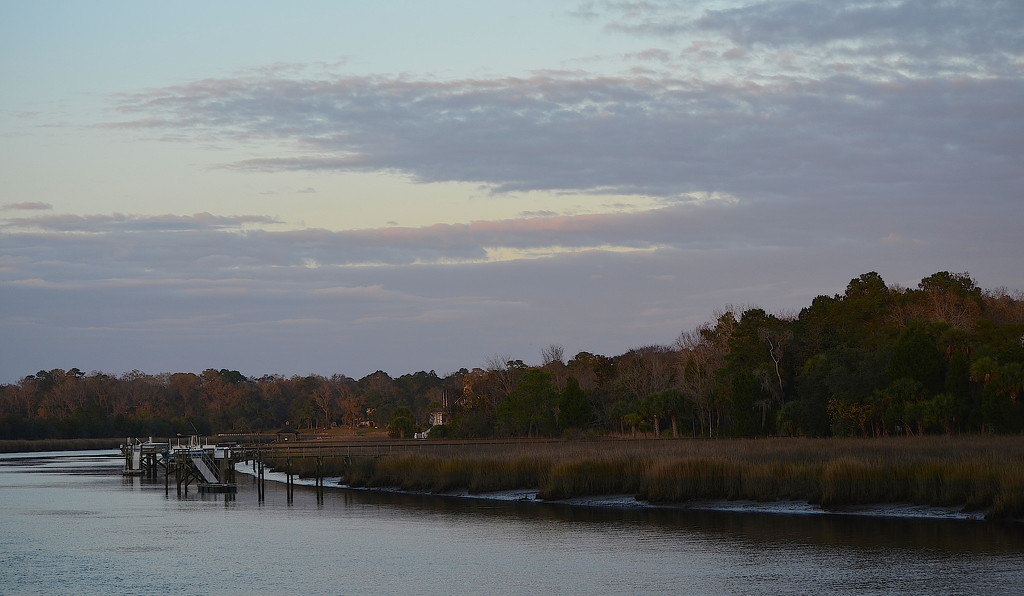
[877,360]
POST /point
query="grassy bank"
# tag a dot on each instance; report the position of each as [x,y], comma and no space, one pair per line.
[973,473]
[23,445]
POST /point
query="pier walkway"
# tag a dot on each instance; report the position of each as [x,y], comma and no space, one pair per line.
[209,463]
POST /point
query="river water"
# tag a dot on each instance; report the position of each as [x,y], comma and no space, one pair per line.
[71,524]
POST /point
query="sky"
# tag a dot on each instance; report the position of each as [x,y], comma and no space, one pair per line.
[345,187]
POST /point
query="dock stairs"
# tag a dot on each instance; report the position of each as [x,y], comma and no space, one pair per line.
[205,468]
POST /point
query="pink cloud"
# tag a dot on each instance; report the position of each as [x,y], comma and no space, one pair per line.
[28,206]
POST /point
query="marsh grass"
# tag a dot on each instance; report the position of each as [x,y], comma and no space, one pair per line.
[589,477]
[971,473]
[477,475]
[37,445]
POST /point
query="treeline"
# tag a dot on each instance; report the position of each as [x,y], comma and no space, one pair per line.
[877,360]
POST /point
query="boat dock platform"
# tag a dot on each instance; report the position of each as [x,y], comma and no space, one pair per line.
[210,467]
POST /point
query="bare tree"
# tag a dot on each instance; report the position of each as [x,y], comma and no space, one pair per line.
[505,372]
[646,370]
[1004,306]
[951,297]
[551,354]
[353,407]
[552,358]
[702,353]
[777,340]
[324,397]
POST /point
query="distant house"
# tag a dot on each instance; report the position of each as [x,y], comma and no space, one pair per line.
[437,418]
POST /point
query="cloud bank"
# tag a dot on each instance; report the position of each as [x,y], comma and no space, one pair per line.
[834,138]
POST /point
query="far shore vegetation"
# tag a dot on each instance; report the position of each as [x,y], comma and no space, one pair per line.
[879,393]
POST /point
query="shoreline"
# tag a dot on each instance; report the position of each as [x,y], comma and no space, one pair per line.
[878,510]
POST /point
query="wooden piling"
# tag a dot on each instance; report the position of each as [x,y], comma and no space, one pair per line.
[289,480]
[261,482]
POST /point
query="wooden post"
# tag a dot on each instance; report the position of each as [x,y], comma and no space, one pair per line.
[319,480]
[261,487]
[177,473]
[289,480]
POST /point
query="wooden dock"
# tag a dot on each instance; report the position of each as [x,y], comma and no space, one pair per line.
[209,466]
[209,463]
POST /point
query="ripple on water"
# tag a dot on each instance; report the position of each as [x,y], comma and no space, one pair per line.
[60,512]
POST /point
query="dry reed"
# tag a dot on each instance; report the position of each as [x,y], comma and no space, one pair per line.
[973,473]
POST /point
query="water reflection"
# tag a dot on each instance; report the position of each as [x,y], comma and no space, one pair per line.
[868,534]
[847,531]
[420,544]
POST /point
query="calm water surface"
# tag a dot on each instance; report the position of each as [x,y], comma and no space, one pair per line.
[71,524]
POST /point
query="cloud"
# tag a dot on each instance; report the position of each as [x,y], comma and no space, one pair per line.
[913,27]
[177,245]
[767,136]
[28,206]
[92,248]
[912,36]
[133,223]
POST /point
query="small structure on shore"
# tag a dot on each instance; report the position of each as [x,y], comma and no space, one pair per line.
[438,418]
[288,434]
[435,418]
